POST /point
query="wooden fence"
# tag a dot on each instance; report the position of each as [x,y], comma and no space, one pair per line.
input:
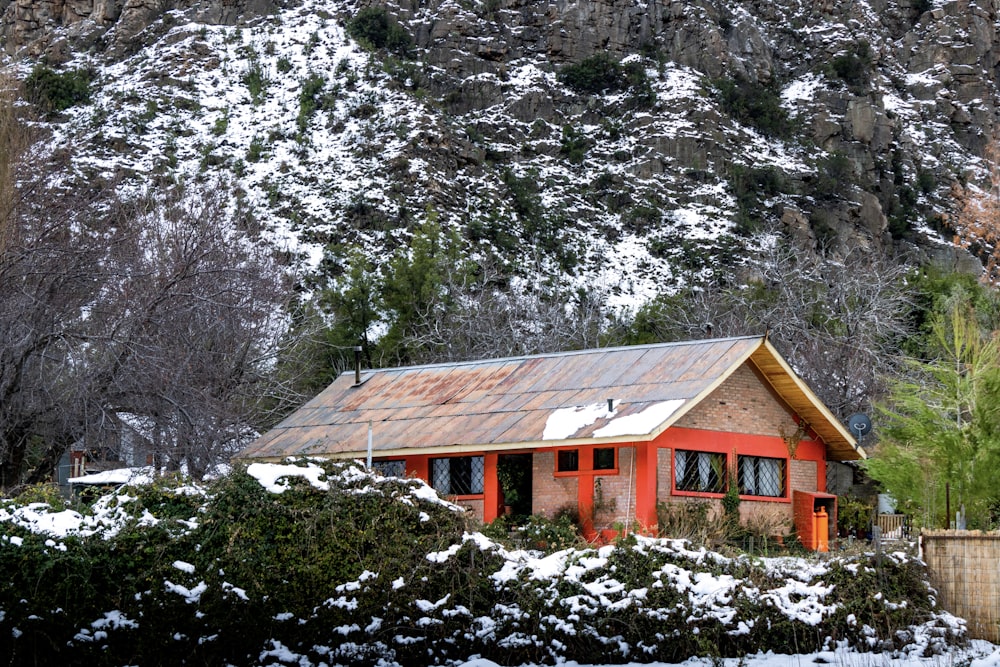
[964,568]
[893,526]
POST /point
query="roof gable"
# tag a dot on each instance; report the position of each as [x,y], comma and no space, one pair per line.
[542,400]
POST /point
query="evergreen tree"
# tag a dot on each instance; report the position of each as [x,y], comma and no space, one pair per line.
[416,294]
[942,424]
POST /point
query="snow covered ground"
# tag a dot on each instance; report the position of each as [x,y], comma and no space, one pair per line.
[981,654]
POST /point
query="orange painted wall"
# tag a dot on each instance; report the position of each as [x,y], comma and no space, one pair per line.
[742,415]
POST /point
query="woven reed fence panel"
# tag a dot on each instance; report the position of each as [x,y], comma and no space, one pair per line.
[964,567]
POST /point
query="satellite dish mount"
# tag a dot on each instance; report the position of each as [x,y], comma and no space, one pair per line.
[859,425]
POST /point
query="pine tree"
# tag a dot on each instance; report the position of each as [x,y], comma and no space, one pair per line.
[942,425]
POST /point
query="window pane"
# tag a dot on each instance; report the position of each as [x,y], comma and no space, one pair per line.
[441,475]
[748,475]
[390,468]
[568,461]
[604,458]
[700,471]
[458,476]
[761,476]
[478,474]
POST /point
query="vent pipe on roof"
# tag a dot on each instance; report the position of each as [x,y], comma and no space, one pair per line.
[357,365]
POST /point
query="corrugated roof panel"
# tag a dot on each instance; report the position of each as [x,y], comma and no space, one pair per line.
[489,429]
[613,366]
[641,369]
[547,400]
[509,400]
[483,384]
[709,362]
[528,427]
[522,375]
[559,373]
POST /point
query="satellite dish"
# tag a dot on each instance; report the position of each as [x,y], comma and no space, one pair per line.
[859,425]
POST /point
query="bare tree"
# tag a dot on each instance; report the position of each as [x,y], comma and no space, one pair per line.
[49,273]
[839,323]
[197,319]
[153,316]
[495,317]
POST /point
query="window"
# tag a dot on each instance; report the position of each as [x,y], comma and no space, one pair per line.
[567,460]
[760,476]
[604,458]
[458,476]
[390,468]
[699,471]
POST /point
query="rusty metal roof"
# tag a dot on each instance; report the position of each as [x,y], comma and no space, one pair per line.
[499,404]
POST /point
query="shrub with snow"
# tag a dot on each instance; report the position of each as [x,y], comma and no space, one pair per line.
[313,563]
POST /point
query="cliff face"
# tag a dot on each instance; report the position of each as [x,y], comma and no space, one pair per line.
[844,124]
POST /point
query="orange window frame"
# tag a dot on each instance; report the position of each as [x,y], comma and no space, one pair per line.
[585,461]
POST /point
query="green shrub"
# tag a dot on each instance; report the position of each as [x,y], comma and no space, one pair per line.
[595,75]
[754,104]
[574,145]
[375,29]
[255,80]
[310,99]
[822,228]
[853,67]
[752,185]
[256,150]
[560,532]
[834,175]
[47,493]
[376,571]
[53,91]
[926,181]
[220,125]
[600,74]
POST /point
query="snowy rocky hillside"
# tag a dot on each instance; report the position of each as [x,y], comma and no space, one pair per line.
[841,124]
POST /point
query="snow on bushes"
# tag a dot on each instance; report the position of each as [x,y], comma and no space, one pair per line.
[314,563]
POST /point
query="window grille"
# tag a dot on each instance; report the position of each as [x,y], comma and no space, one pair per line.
[458,476]
[700,471]
[390,468]
[759,476]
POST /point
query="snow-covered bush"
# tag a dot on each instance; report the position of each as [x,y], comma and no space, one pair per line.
[313,563]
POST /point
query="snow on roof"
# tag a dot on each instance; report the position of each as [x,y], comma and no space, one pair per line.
[641,423]
[564,422]
[142,475]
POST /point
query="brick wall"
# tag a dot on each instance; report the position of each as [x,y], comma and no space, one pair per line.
[766,517]
[615,489]
[803,475]
[549,493]
[475,506]
[743,405]
[664,473]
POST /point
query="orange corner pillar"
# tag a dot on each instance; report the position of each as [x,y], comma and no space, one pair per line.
[491,488]
[645,486]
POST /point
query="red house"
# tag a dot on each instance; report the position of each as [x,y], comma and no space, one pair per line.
[627,426]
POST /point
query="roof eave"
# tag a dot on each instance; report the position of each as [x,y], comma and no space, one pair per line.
[835,436]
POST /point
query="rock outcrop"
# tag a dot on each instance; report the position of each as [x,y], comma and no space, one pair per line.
[884,106]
